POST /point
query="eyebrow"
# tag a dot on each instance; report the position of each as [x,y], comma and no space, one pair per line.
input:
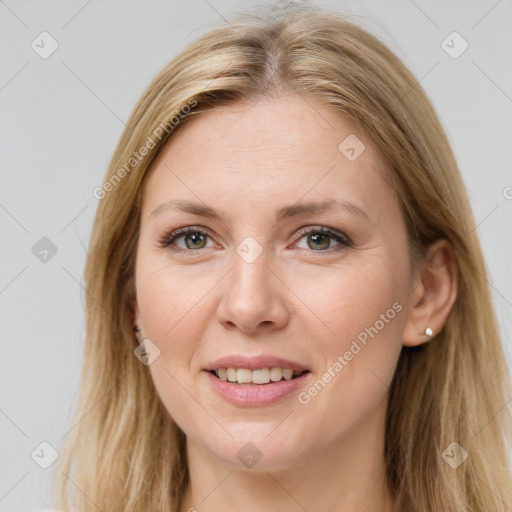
[283,213]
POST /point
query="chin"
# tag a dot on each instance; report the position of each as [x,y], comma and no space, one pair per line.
[254,449]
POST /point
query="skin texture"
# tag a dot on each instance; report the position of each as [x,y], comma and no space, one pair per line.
[300,299]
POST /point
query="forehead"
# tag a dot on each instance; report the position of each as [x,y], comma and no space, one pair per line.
[280,149]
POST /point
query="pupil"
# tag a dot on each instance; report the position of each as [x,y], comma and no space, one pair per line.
[196,237]
[315,239]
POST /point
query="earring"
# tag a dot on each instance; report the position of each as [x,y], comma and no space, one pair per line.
[427,332]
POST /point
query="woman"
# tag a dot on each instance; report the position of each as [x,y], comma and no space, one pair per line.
[287,303]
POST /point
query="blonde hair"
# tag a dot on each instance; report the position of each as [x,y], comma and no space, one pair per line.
[123,451]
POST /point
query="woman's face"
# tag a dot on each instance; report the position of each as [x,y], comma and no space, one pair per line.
[260,282]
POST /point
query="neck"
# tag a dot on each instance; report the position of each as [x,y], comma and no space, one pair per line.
[344,475]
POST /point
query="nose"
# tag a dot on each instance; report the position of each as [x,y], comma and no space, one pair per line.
[253,298]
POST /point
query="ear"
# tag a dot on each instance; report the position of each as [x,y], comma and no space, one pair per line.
[433,294]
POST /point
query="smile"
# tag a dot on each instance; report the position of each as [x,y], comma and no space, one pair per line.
[258,376]
[254,394]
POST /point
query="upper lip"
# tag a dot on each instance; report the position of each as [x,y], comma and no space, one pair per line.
[254,362]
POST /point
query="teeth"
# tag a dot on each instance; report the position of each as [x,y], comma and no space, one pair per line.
[287,374]
[243,376]
[260,376]
[276,374]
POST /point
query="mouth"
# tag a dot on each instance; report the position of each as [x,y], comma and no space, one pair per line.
[257,377]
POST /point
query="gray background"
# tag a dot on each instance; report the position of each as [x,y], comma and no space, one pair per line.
[62,116]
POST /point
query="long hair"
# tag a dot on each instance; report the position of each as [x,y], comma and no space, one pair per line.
[123,452]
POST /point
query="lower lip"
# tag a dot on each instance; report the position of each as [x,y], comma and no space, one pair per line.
[255,395]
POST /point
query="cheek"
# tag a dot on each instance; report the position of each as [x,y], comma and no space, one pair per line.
[364,310]
[350,300]
[170,300]
[171,311]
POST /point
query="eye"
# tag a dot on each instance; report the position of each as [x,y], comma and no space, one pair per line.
[319,239]
[193,238]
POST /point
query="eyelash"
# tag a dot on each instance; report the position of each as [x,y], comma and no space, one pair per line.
[167,240]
